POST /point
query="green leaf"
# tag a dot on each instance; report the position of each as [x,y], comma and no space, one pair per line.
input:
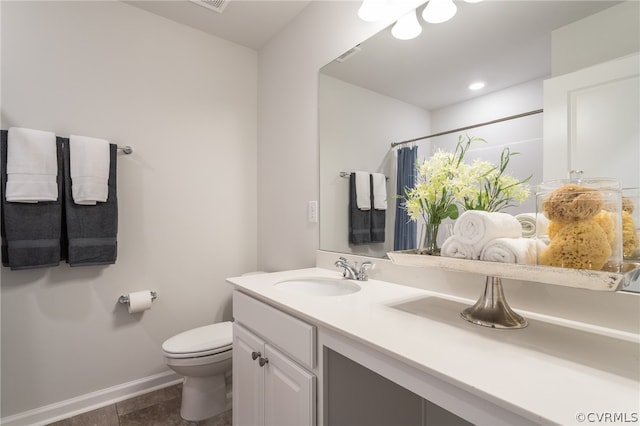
[452,212]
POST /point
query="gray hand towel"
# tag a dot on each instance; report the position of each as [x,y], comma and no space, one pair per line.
[91,230]
[359,220]
[378,223]
[31,232]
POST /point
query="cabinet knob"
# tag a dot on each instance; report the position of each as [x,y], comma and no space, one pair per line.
[255,355]
[263,361]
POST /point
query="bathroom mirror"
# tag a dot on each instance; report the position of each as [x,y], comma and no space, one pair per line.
[387,90]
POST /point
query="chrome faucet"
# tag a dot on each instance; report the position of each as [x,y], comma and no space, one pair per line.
[352,272]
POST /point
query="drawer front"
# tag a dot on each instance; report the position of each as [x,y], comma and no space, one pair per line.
[294,337]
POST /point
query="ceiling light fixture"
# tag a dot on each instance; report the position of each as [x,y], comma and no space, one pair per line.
[477,85]
[438,11]
[373,10]
[407,27]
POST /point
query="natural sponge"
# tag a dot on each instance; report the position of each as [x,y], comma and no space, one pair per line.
[578,245]
[627,205]
[604,219]
[554,227]
[571,202]
[630,240]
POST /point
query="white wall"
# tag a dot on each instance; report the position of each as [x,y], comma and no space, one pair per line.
[357,127]
[576,46]
[187,103]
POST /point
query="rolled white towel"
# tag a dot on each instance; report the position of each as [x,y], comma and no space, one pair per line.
[511,250]
[454,247]
[477,227]
[532,224]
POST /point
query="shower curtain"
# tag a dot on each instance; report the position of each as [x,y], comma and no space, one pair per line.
[405,230]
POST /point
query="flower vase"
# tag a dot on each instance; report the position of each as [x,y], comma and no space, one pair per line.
[429,239]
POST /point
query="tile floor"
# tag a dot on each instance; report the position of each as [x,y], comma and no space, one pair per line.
[158,408]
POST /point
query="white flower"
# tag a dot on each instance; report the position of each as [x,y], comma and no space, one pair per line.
[493,189]
[444,180]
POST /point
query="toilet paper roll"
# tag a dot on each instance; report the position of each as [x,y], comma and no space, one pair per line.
[139,301]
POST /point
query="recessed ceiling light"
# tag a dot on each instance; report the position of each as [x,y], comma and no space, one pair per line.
[476,86]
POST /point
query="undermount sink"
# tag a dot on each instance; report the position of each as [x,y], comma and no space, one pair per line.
[318,286]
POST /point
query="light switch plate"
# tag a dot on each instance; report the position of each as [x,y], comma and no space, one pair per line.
[312,211]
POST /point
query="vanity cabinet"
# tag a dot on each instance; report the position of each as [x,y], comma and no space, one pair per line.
[272,384]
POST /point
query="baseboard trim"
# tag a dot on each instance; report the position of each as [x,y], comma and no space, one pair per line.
[91,401]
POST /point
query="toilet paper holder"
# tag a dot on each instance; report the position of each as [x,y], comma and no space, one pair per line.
[124,298]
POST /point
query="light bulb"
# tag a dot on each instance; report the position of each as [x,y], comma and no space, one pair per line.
[372,10]
[477,85]
[407,27]
[438,11]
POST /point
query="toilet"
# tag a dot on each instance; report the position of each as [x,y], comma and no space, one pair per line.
[203,356]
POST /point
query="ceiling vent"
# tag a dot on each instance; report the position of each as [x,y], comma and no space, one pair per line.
[217,5]
[349,53]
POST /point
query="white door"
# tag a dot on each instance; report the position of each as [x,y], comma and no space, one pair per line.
[592,122]
[248,378]
[290,392]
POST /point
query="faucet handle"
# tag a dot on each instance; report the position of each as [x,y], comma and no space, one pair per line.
[362,272]
[367,265]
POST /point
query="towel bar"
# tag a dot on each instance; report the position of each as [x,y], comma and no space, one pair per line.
[347,174]
[126,149]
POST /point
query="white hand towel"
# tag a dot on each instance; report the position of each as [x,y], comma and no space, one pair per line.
[532,223]
[511,250]
[89,161]
[454,247]
[32,166]
[363,190]
[477,227]
[379,191]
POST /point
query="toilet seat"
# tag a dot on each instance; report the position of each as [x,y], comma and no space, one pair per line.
[199,342]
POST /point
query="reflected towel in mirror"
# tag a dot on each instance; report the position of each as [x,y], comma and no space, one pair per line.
[359,220]
[363,190]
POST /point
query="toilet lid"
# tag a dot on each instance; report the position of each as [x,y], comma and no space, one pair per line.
[201,341]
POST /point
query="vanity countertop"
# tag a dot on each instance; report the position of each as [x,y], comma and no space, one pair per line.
[552,371]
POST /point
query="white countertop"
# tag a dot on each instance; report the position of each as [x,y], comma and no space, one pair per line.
[549,372]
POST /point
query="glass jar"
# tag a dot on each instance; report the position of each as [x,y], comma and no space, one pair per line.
[583,224]
[631,223]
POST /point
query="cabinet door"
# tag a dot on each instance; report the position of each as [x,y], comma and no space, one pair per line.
[248,379]
[591,122]
[290,392]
